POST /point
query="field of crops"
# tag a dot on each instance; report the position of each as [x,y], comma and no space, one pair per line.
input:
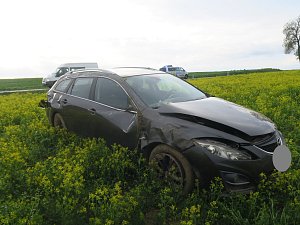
[20,84]
[50,176]
[229,73]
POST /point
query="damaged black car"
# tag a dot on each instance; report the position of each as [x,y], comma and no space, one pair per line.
[184,133]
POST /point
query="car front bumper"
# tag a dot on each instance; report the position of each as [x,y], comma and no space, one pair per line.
[237,175]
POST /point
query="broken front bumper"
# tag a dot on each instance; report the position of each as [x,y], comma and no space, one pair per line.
[237,175]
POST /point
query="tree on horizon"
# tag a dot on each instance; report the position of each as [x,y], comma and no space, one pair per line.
[291,42]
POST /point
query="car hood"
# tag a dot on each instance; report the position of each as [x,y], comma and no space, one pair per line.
[222,115]
[51,75]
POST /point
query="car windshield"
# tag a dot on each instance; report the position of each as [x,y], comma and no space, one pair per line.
[158,89]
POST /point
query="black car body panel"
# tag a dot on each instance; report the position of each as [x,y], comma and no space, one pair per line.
[215,112]
[178,124]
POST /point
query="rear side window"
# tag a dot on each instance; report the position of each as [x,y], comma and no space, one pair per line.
[82,87]
[110,93]
[62,86]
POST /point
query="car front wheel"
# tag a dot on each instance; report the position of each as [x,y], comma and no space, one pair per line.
[173,168]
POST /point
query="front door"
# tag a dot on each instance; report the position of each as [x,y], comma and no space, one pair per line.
[113,117]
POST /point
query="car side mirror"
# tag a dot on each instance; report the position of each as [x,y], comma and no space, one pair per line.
[130,107]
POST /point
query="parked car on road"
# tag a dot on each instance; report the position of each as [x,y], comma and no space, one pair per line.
[176,71]
[183,132]
[50,79]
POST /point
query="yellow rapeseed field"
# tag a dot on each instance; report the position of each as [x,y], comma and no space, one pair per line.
[51,176]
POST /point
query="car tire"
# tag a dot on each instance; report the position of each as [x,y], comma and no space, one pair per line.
[174,167]
[58,121]
[186,77]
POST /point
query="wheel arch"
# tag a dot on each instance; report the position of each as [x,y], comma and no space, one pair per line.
[146,150]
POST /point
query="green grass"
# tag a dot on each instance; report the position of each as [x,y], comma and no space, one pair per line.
[20,84]
[36,83]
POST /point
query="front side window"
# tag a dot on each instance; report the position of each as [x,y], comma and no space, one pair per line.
[82,87]
[62,86]
[61,71]
[110,93]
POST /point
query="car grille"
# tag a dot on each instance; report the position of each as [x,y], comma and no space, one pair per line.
[269,148]
[268,142]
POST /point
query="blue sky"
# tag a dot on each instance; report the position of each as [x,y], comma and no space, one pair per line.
[199,35]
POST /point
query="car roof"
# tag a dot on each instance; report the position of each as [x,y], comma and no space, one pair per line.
[118,71]
[134,71]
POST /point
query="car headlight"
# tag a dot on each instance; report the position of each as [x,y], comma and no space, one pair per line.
[223,150]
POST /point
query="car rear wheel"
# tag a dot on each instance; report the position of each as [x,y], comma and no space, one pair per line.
[58,121]
[173,168]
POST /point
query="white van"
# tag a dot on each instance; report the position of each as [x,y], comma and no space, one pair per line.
[50,79]
[176,71]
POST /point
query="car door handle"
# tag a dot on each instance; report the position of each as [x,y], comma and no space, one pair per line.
[65,101]
[92,111]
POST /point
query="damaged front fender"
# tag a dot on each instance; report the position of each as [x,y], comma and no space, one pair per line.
[162,129]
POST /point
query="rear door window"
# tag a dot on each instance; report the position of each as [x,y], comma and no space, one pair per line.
[63,85]
[81,87]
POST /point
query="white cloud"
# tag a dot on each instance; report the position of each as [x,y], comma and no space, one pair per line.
[37,36]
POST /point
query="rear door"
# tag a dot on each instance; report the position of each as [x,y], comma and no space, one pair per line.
[76,106]
[114,117]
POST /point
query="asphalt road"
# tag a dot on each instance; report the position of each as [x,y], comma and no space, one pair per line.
[20,91]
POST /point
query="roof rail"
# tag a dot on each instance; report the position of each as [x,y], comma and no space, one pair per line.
[134,67]
[86,70]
